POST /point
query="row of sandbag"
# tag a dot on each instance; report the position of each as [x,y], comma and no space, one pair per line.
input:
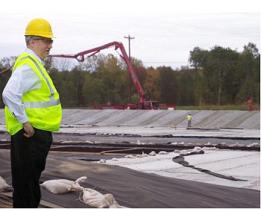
[88,196]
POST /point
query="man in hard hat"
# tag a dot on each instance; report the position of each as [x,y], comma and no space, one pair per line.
[32,112]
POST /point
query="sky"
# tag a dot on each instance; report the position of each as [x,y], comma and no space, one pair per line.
[164,31]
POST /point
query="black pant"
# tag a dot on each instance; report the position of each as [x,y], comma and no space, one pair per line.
[28,158]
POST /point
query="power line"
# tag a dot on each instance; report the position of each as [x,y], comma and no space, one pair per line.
[129,40]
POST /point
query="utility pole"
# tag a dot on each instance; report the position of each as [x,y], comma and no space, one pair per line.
[129,40]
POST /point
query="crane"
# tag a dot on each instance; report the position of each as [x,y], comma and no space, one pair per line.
[142,104]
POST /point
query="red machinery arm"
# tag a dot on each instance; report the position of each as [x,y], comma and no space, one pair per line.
[80,57]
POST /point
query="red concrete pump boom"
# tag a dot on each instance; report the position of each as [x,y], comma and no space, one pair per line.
[80,57]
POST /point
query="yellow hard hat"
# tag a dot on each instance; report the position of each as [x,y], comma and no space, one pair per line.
[39,27]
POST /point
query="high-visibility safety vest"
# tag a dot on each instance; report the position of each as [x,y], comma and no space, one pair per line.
[189,117]
[42,105]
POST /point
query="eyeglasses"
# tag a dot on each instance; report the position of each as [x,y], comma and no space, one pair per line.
[45,40]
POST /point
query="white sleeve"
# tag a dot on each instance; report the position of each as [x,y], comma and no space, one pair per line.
[22,80]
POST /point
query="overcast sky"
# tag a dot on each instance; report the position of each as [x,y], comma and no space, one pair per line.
[165,31]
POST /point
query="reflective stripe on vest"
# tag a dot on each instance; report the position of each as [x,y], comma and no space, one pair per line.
[39,69]
[50,103]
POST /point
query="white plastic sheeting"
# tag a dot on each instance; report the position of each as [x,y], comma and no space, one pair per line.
[243,165]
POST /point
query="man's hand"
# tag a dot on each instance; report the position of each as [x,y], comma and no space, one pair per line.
[28,129]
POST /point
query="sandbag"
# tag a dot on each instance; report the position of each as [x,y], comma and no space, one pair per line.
[96,199]
[4,187]
[61,186]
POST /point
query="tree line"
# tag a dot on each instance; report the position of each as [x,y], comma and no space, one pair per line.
[218,76]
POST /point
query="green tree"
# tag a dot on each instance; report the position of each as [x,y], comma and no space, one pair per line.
[219,66]
[168,85]
[151,84]
[185,87]
[249,73]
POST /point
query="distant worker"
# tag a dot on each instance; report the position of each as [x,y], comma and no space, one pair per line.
[189,119]
[32,112]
